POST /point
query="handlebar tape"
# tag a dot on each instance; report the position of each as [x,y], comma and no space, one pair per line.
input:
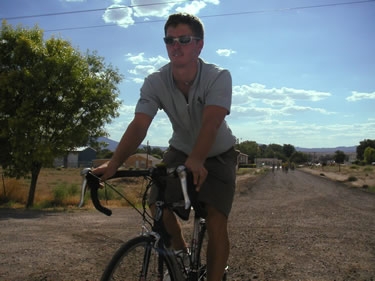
[94,185]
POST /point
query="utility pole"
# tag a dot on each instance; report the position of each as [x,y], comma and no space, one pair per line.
[147,150]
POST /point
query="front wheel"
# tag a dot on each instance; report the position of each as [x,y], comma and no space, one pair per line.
[138,259]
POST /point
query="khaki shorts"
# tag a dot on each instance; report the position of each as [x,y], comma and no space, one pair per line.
[219,187]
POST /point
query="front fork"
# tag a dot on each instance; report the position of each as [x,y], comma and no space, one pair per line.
[196,248]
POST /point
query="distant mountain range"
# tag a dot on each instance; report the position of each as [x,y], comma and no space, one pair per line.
[345,149]
[111,145]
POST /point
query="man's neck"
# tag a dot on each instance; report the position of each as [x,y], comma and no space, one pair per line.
[185,74]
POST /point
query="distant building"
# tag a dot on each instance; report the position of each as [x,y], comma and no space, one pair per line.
[141,161]
[136,161]
[78,158]
[243,159]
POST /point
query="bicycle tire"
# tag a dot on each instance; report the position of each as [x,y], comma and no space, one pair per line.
[129,262]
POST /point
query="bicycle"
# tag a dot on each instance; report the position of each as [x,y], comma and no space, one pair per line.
[148,256]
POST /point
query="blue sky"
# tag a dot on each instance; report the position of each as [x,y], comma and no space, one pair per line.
[303,70]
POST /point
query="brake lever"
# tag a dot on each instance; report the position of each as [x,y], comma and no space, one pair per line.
[84,172]
[181,171]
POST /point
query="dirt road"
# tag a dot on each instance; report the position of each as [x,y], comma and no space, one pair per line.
[291,226]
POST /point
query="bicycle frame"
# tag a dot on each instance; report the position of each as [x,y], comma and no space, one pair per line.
[157,231]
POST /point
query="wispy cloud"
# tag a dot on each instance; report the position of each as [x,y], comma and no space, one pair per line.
[225,52]
[356,96]
[256,100]
[259,91]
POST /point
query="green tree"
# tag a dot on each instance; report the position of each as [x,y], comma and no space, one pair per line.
[288,150]
[250,148]
[362,146]
[299,157]
[339,156]
[53,99]
[262,150]
[157,152]
[369,155]
[274,151]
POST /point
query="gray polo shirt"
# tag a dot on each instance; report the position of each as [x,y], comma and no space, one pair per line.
[212,86]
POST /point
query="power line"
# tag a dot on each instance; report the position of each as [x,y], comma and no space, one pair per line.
[290,9]
[203,16]
[93,10]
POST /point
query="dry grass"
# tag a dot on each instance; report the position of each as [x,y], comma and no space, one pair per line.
[13,190]
[353,175]
[61,188]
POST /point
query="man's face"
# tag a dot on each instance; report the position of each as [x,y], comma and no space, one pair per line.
[181,54]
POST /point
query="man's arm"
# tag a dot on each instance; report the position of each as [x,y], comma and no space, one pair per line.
[212,118]
[130,141]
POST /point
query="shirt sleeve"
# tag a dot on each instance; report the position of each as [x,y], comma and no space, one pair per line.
[148,102]
[219,91]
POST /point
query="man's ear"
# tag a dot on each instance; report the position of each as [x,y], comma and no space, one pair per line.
[200,45]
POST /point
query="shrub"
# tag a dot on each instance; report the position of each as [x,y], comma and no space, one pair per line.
[243,171]
[107,194]
[352,178]
[368,169]
[63,193]
[247,165]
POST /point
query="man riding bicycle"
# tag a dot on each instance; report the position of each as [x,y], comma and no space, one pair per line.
[196,96]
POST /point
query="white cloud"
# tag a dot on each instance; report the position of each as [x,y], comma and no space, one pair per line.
[141,59]
[305,94]
[119,14]
[126,110]
[256,100]
[151,8]
[302,134]
[122,15]
[142,70]
[298,109]
[136,59]
[138,80]
[225,52]
[259,91]
[144,65]
[193,8]
[356,96]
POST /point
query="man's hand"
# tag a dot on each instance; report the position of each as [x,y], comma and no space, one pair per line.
[198,170]
[105,171]
[213,117]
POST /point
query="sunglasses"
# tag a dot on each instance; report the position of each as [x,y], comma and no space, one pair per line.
[182,40]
